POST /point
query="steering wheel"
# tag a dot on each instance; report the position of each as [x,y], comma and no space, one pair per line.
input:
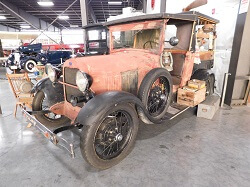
[144,45]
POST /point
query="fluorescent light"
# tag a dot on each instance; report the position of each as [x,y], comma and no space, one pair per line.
[74,26]
[3,17]
[63,17]
[114,2]
[45,3]
[25,26]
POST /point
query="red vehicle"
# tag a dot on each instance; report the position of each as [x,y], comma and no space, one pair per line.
[54,47]
[105,96]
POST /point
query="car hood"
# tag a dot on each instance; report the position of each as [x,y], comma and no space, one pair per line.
[120,61]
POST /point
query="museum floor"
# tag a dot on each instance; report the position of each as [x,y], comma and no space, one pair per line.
[187,151]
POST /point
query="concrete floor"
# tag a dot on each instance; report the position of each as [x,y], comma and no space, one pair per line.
[189,151]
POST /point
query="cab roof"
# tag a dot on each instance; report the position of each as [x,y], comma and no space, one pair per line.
[183,16]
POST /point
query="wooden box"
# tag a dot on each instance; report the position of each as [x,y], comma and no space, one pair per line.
[198,84]
[190,96]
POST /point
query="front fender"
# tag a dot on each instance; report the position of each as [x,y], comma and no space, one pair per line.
[98,104]
[53,91]
[39,85]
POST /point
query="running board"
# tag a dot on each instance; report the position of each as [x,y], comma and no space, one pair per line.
[175,110]
[178,113]
[52,135]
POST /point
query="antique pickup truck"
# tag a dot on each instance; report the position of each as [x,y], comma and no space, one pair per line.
[150,57]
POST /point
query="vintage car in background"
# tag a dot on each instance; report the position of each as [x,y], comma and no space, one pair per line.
[96,39]
[150,57]
[27,57]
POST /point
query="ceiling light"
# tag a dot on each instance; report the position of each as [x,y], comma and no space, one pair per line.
[74,26]
[25,26]
[2,17]
[45,3]
[114,2]
[63,17]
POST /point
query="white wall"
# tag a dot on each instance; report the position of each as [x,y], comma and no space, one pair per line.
[226,12]
[73,36]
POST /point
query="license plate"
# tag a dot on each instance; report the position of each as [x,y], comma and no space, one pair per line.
[13,67]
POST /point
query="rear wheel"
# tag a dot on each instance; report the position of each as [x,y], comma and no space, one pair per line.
[111,137]
[156,92]
[40,103]
[210,81]
[29,66]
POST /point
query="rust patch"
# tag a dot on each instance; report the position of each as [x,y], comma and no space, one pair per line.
[130,81]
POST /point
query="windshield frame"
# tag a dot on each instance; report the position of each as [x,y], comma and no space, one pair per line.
[142,25]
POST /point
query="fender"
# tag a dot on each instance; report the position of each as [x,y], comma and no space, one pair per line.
[53,91]
[39,85]
[91,109]
[201,74]
[25,59]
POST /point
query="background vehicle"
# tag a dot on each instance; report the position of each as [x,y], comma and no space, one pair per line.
[96,39]
[151,56]
[27,57]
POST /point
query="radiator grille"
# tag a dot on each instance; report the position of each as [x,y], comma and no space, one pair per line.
[70,78]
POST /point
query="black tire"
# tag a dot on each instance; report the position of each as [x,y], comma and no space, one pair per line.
[208,78]
[29,65]
[146,89]
[210,81]
[37,105]
[94,135]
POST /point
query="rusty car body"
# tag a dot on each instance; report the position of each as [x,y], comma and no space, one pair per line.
[106,95]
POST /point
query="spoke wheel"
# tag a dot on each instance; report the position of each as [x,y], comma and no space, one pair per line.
[110,136]
[158,96]
[113,135]
[40,103]
[156,93]
[51,115]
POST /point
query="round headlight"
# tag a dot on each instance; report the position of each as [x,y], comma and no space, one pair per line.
[82,81]
[51,73]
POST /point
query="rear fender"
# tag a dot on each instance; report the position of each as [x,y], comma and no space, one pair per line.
[102,102]
[200,74]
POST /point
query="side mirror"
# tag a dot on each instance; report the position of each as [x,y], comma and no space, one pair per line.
[173,41]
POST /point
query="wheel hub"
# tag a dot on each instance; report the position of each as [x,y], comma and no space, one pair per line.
[118,137]
[31,66]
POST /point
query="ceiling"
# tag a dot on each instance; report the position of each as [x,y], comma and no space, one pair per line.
[101,10]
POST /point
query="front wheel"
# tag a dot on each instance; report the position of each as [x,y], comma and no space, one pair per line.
[111,137]
[40,103]
[29,66]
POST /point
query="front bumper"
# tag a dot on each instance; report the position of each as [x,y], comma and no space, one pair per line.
[52,135]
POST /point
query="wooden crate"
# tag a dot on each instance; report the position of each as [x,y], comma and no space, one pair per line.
[198,84]
[190,97]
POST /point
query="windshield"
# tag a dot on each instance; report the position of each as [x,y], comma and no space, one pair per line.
[99,34]
[138,39]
